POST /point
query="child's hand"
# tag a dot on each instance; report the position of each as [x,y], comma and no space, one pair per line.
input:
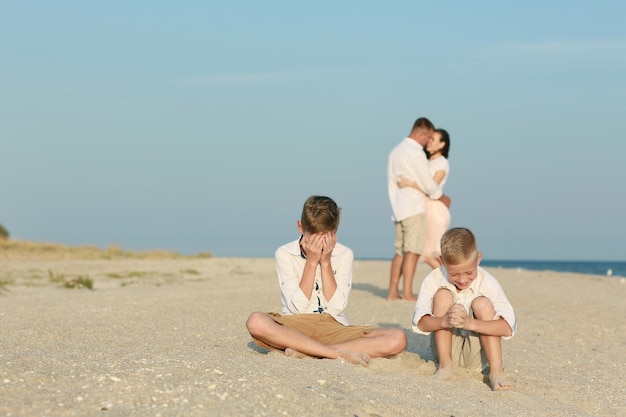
[313,246]
[457,315]
[330,239]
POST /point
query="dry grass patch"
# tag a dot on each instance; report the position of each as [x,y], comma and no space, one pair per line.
[28,250]
[81,281]
[4,283]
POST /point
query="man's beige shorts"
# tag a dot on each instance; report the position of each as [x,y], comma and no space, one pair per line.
[321,327]
[410,234]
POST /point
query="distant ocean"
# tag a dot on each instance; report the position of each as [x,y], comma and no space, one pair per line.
[607,268]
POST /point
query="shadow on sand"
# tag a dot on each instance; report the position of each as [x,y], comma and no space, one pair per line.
[377,291]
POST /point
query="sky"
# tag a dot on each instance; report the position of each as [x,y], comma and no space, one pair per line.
[203,126]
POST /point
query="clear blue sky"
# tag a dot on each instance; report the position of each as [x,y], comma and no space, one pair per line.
[203,126]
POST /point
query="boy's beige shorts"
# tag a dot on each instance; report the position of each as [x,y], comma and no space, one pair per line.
[466,351]
[321,327]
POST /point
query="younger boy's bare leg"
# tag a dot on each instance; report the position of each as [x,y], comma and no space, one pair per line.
[263,327]
[394,278]
[442,302]
[492,345]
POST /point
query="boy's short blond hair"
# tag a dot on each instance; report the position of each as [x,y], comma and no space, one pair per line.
[458,245]
[320,214]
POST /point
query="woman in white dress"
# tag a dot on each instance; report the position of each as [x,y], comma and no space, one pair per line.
[437,214]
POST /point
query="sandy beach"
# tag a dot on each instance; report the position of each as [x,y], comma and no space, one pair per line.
[167,337]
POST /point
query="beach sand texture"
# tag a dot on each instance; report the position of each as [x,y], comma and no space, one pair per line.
[167,338]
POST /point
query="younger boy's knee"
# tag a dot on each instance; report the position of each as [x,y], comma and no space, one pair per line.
[442,301]
[483,308]
[444,294]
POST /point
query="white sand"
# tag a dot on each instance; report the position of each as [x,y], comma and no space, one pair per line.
[168,337]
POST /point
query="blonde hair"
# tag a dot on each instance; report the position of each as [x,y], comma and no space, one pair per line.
[458,245]
[320,214]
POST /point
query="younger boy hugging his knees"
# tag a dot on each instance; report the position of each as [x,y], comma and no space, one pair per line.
[315,278]
[466,310]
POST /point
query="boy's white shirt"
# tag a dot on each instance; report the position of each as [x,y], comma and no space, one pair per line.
[290,266]
[484,285]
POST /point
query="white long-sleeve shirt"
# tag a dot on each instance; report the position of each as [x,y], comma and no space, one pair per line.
[408,159]
[290,267]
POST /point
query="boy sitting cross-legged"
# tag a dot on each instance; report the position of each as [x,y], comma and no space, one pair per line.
[315,278]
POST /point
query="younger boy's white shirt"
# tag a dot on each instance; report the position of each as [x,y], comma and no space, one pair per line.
[484,285]
[290,267]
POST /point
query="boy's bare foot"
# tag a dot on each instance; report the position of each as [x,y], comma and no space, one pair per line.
[443,373]
[499,382]
[409,298]
[292,353]
[355,358]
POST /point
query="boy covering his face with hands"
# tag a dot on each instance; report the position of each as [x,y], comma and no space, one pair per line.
[315,279]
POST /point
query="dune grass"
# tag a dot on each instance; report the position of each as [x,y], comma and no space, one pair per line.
[81,281]
[27,250]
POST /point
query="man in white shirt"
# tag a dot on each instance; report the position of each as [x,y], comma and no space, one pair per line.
[408,159]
